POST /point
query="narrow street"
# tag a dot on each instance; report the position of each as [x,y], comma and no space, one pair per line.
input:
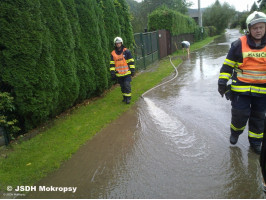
[174,143]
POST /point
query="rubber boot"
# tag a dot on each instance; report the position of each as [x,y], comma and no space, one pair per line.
[128,100]
[124,99]
[256,148]
[234,138]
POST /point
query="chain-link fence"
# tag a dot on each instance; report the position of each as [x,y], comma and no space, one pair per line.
[146,49]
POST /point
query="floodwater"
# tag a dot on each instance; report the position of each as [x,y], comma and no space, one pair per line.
[174,143]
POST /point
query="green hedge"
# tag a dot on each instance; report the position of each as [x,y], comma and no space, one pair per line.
[122,9]
[111,21]
[175,22]
[55,53]
[211,30]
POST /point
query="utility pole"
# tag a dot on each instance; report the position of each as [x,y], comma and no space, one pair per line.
[199,13]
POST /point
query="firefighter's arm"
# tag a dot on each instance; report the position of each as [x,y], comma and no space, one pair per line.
[112,67]
[229,64]
[130,62]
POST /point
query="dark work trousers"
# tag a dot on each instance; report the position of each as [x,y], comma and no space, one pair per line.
[124,82]
[252,108]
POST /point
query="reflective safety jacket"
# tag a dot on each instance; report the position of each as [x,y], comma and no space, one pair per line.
[122,62]
[245,64]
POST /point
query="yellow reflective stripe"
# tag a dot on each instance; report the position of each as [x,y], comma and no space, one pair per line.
[127,94]
[112,68]
[238,64]
[119,75]
[237,88]
[238,70]
[248,88]
[254,54]
[241,75]
[237,129]
[259,90]
[121,67]
[123,70]
[225,76]
[229,63]
[255,135]
[112,62]
[254,72]
[132,66]
[130,60]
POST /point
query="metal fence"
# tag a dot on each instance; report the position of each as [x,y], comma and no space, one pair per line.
[152,46]
[146,49]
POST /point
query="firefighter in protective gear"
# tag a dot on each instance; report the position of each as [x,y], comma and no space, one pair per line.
[122,68]
[245,64]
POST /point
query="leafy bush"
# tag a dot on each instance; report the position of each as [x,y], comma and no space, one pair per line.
[7,118]
[165,18]
[210,30]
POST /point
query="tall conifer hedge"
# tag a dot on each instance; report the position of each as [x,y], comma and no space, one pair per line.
[26,61]
[122,9]
[81,62]
[55,53]
[62,49]
[111,22]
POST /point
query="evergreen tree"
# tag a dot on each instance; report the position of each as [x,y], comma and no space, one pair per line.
[25,63]
[91,38]
[254,7]
[125,22]
[81,62]
[62,49]
[137,19]
[55,53]
[111,21]
[105,41]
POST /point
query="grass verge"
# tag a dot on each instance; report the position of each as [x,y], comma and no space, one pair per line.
[26,162]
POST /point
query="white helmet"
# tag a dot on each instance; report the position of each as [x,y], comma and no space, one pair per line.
[118,40]
[254,18]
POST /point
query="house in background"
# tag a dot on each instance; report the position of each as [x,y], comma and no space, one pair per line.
[194,13]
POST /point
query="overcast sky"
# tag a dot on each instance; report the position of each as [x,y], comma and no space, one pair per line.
[240,5]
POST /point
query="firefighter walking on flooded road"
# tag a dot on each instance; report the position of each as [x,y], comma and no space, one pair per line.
[245,64]
[122,68]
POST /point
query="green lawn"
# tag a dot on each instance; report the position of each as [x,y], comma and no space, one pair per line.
[26,162]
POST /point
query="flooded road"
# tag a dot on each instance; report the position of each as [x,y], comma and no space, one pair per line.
[174,143]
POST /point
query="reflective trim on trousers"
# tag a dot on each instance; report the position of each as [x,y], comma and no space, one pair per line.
[237,129]
[255,135]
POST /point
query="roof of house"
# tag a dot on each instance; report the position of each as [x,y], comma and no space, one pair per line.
[194,12]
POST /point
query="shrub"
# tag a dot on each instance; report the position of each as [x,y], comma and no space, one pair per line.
[7,118]
[175,22]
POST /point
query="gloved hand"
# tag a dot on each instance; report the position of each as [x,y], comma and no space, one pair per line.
[221,89]
[132,73]
[113,76]
[228,93]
